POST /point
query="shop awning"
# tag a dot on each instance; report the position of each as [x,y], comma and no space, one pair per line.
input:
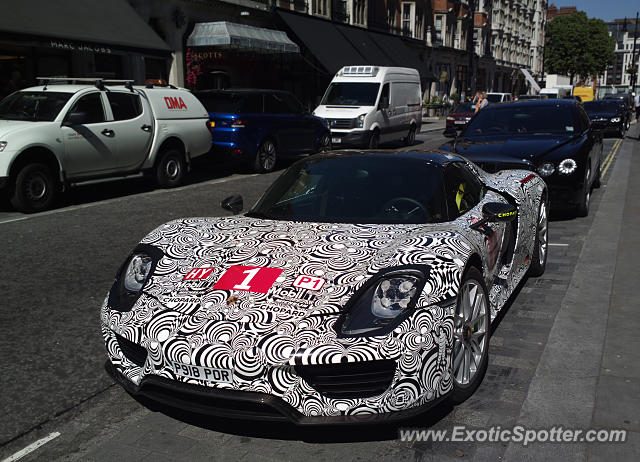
[240,36]
[80,25]
[365,45]
[530,79]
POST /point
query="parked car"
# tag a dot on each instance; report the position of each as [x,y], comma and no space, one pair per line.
[498,97]
[609,115]
[321,305]
[529,97]
[552,137]
[627,99]
[459,116]
[257,127]
[368,105]
[56,134]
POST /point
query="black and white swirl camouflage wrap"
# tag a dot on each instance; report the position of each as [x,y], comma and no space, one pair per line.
[261,337]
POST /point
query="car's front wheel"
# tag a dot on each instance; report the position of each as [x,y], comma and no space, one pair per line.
[585,199]
[34,189]
[539,257]
[374,140]
[470,336]
[411,136]
[325,143]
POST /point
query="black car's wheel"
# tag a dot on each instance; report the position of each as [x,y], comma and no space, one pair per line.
[170,169]
[374,140]
[539,257]
[585,198]
[411,136]
[325,143]
[597,180]
[34,189]
[471,336]
[266,157]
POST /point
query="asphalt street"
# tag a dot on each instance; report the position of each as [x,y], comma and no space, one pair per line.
[57,267]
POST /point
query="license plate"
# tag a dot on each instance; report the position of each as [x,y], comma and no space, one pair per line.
[210,374]
[336,140]
[460,122]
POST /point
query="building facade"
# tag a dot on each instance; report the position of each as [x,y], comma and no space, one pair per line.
[618,76]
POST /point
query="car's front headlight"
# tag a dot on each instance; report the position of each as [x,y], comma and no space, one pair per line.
[546,169]
[3,144]
[615,119]
[360,120]
[133,276]
[567,166]
[383,303]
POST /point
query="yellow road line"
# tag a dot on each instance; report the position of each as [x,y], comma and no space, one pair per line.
[611,156]
[613,148]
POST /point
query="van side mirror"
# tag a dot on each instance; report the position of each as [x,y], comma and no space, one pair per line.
[233,204]
[384,102]
[75,118]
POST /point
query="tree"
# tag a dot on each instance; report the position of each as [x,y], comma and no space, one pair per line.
[577,45]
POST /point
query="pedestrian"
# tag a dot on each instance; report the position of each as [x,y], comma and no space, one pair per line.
[482,101]
[636,102]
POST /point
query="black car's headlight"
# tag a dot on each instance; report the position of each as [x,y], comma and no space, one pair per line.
[615,119]
[546,169]
[383,302]
[132,277]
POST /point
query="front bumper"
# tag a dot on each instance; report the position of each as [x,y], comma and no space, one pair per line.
[245,405]
[356,138]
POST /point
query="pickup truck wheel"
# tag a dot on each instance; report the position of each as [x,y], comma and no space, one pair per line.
[170,169]
[266,157]
[34,189]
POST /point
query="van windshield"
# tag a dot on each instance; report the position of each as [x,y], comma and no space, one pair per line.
[351,94]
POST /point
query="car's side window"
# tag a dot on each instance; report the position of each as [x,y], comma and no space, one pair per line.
[124,105]
[252,104]
[275,104]
[462,189]
[294,105]
[384,94]
[91,106]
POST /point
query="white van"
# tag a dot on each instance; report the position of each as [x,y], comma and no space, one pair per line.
[368,105]
[559,91]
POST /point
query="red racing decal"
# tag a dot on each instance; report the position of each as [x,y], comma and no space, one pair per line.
[174,103]
[248,278]
[308,282]
[527,178]
[198,273]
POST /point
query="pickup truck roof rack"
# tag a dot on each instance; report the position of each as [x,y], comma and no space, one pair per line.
[97,81]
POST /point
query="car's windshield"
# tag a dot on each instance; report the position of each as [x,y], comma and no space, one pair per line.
[351,94]
[602,106]
[33,105]
[367,189]
[463,108]
[494,98]
[526,119]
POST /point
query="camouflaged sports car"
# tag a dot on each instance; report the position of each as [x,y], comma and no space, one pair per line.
[361,286]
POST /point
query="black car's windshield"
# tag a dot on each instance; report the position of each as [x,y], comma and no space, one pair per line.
[602,106]
[351,94]
[494,98]
[514,119]
[367,189]
[32,105]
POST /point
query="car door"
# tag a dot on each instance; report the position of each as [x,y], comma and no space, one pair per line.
[386,114]
[592,142]
[283,125]
[306,126]
[89,141]
[132,127]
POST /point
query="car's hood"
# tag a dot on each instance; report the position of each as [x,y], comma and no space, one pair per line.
[8,127]
[521,147]
[341,112]
[342,256]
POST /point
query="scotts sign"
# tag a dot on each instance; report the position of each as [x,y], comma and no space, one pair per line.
[174,102]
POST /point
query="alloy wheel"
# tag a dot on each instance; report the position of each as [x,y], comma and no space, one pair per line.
[543,234]
[471,332]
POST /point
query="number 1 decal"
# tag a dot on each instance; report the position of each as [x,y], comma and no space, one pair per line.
[257,279]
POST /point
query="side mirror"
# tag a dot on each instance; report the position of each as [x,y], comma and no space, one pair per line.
[499,212]
[451,132]
[233,204]
[75,118]
[384,103]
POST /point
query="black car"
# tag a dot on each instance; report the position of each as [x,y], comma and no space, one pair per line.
[627,99]
[553,137]
[609,115]
[257,127]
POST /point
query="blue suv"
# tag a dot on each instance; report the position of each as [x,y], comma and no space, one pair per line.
[259,126]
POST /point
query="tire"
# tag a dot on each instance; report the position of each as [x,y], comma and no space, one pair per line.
[170,169]
[266,157]
[541,247]
[466,333]
[411,136]
[597,181]
[325,143]
[34,189]
[585,200]
[374,140]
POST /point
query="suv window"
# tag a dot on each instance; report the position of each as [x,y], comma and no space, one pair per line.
[583,118]
[462,189]
[252,104]
[124,105]
[91,105]
[294,105]
[275,104]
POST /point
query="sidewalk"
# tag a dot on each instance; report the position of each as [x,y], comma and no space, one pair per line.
[589,374]
[431,124]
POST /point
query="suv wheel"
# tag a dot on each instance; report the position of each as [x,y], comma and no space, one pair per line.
[325,143]
[170,169]
[34,189]
[266,157]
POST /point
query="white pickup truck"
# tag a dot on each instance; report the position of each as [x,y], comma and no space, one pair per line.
[55,135]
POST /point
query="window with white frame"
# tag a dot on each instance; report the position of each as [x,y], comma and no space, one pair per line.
[409,18]
[319,7]
[358,11]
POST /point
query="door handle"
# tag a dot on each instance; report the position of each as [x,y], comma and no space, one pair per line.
[107,132]
[146,128]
